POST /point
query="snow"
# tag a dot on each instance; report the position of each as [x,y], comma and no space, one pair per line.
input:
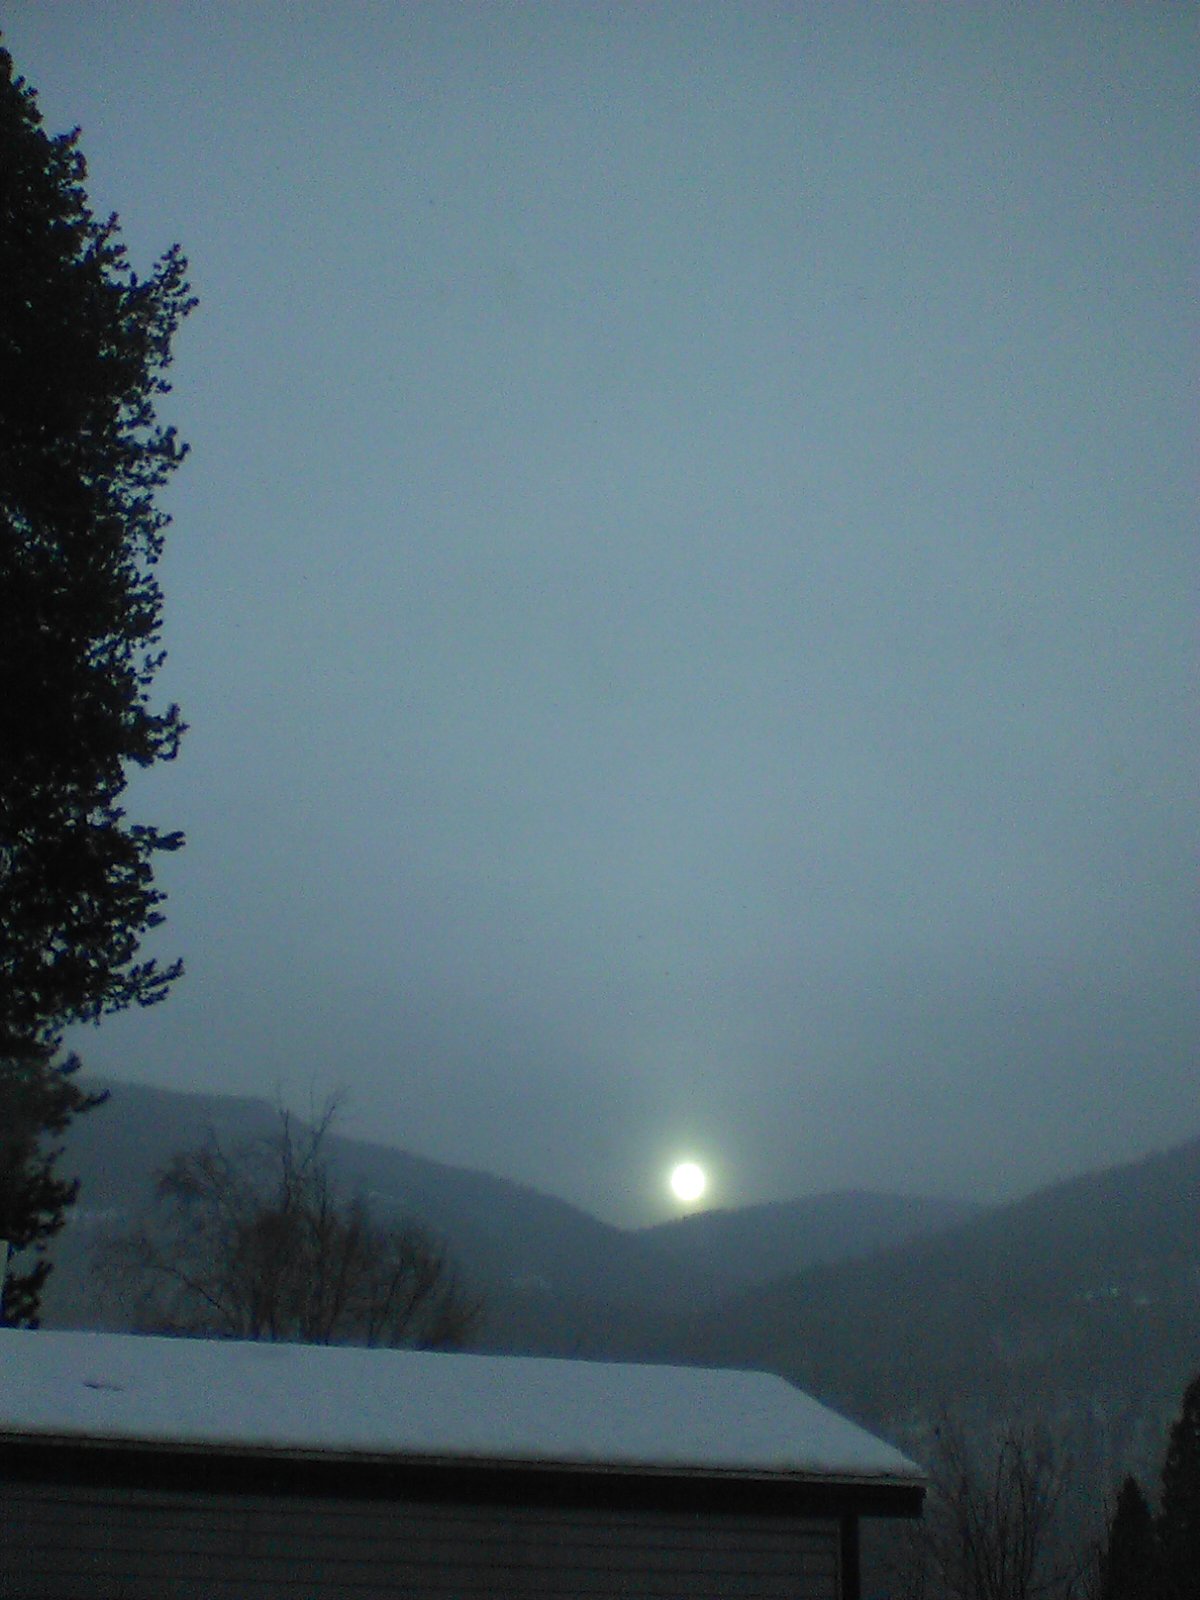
[420,1404]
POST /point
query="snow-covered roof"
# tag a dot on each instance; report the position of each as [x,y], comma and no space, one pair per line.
[413,1404]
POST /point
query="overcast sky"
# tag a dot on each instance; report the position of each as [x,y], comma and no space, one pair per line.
[684,586]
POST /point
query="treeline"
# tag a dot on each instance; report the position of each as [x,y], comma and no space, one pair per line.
[1000,1524]
[1146,1555]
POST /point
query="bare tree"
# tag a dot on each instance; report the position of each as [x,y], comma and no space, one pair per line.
[259,1242]
[993,1528]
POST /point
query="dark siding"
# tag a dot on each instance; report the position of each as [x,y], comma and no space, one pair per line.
[68,1542]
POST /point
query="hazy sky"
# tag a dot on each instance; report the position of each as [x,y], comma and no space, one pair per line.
[684,586]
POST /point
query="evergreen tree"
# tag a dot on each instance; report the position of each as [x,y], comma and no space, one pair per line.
[37,1101]
[1130,1564]
[1179,1511]
[83,346]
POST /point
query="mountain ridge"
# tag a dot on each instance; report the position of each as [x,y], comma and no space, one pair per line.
[1079,1303]
[1076,1306]
[539,1260]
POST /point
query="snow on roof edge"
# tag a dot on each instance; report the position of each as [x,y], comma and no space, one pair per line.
[319,1400]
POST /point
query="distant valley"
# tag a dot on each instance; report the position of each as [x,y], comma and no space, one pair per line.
[554,1278]
[1079,1304]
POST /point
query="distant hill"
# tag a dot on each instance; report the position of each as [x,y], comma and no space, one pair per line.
[1080,1303]
[555,1279]
[733,1250]
[508,1240]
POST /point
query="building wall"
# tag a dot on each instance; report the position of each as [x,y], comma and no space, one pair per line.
[68,1541]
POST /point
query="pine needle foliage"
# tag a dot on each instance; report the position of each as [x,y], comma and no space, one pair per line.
[84,345]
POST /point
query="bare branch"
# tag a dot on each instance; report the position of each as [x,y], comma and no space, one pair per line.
[257,1242]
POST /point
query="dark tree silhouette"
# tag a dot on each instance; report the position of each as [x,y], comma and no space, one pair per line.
[84,344]
[1129,1564]
[1179,1509]
[37,1101]
[258,1242]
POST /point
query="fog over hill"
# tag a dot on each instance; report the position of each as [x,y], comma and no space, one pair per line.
[1079,1304]
[736,1249]
[1077,1307]
[554,1278]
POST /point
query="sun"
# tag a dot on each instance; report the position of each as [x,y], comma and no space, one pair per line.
[688,1182]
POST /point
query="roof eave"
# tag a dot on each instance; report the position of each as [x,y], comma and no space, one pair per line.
[242,1468]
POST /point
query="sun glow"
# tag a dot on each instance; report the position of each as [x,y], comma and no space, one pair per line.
[688,1182]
